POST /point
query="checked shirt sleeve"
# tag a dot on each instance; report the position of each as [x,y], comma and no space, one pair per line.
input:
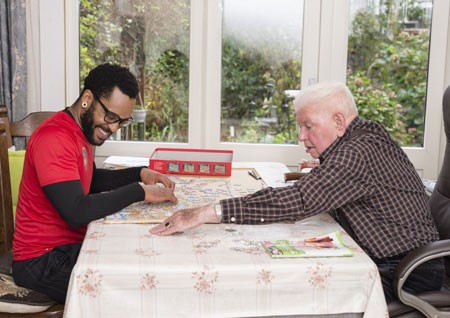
[327,188]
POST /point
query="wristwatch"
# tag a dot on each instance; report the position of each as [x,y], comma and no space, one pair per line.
[218,209]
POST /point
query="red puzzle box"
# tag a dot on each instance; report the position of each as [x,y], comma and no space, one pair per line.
[192,161]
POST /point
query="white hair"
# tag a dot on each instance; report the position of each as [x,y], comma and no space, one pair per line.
[329,96]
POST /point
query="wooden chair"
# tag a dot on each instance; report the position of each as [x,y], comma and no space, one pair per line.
[24,127]
[33,304]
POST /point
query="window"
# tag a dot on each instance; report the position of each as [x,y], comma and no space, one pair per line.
[261,60]
[388,64]
[261,64]
[327,51]
[151,38]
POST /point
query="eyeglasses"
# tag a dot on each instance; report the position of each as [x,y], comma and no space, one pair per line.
[112,118]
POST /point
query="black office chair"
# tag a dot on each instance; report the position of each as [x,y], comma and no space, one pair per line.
[436,303]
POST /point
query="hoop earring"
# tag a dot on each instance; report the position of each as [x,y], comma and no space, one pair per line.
[84,104]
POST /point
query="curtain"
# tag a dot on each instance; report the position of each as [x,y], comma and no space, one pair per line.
[13,68]
[33,57]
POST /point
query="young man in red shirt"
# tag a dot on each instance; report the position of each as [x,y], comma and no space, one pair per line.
[62,190]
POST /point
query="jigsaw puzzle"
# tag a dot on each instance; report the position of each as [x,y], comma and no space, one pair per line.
[191,191]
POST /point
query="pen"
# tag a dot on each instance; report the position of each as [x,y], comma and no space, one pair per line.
[254,175]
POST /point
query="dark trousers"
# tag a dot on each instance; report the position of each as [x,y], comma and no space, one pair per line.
[427,277]
[48,273]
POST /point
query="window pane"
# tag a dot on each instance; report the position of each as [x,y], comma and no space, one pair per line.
[261,59]
[388,64]
[151,37]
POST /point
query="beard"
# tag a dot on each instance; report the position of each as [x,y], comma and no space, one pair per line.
[88,126]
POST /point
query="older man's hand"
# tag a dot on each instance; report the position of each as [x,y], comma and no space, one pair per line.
[186,219]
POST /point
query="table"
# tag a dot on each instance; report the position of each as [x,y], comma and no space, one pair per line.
[218,270]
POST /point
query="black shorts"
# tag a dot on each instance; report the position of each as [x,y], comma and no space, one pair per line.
[48,273]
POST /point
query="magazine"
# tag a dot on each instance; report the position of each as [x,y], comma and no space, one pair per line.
[330,245]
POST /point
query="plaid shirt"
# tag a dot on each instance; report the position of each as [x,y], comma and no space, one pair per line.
[365,177]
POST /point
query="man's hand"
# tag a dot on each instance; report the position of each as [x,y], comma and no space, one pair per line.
[156,193]
[186,219]
[149,176]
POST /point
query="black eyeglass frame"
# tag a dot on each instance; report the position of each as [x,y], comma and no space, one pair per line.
[112,117]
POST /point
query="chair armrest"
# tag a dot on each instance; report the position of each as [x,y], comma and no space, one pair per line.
[417,257]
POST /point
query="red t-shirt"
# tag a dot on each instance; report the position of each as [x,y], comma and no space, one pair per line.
[57,151]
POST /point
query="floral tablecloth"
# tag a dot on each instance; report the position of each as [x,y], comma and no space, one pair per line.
[217,270]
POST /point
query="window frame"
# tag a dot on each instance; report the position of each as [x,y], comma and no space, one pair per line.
[324,57]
